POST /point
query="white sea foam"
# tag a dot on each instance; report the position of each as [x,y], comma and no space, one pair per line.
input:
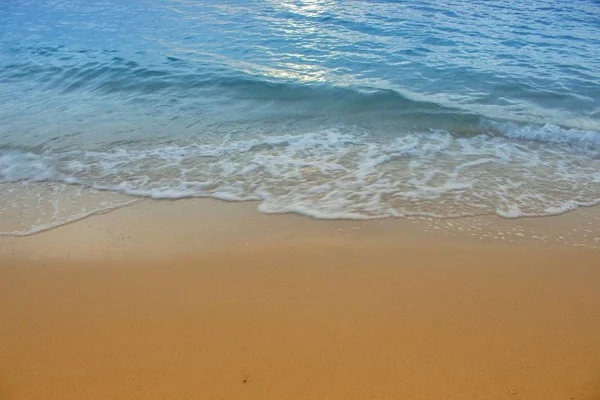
[340,173]
[18,166]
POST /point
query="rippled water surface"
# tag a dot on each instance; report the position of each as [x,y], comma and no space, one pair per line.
[334,109]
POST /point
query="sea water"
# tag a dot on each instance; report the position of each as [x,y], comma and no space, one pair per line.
[332,109]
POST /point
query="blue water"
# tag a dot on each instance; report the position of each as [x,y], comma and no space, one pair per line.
[334,109]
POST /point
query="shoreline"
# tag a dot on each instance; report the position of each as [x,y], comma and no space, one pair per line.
[172,300]
[197,225]
[74,203]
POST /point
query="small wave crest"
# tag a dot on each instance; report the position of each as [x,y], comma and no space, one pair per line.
[582,139]
[178,79]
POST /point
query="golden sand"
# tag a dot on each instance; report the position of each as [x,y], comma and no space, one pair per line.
[230,304]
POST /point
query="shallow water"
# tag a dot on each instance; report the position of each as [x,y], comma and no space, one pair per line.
[363,109]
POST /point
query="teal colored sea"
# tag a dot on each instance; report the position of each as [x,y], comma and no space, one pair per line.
[331,109]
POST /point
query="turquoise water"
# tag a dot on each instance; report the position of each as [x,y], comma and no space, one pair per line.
[334,109]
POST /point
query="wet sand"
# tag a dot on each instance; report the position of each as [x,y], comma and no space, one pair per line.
[150,302]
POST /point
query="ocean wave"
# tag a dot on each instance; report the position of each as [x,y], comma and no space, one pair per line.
[340,173]
[226,89]
[185,79]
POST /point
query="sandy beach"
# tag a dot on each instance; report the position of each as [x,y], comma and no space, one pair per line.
[233,304]
[299,200]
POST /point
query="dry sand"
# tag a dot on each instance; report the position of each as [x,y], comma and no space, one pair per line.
[170,300]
